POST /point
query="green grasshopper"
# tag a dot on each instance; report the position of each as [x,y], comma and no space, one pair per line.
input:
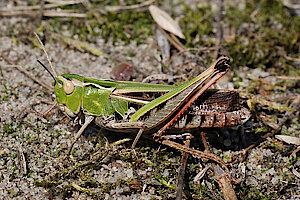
[176,108]
[103,98]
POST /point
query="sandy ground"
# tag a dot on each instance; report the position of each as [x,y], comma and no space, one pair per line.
[32,148]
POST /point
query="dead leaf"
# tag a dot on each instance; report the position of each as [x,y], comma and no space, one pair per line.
[123,72]
[199,176]
[164,20]
[288,139]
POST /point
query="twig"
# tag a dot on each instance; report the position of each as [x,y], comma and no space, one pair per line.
[46,13]
[136,6]
[221,177]
[37,7]
[195,152]
[224,182]
[21,69]
[182,169]
[288,78]
[178,46]
[205,142]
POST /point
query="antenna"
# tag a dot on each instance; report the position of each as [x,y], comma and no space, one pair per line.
[54,73]
[47,70]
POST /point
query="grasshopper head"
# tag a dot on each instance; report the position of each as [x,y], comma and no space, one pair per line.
[66,84]
[68,94]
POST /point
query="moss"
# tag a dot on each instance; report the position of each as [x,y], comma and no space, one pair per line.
[197,25]
[205,191]
[126,25]
[266,36]
[249,192]
[46,184]
[9,128]
[263,129]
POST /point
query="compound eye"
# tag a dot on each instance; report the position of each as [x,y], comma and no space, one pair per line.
[68,87]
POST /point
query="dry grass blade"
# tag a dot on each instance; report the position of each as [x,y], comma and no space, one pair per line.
[21,69]
[52,4]
[200,175]
[288,78]
[288,139]
[136,6]
[164,20]
[46,13]
[78,44]
[22,160]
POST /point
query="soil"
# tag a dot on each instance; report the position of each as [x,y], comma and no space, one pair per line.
[33,163]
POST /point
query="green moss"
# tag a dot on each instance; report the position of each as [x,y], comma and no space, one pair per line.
[12,175]
[46,184]
[126,25]
[263,129]
[9,128]
[266,35]
[203,191]
[197,25]
[254,193]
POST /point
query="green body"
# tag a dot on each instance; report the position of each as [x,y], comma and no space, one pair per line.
[100,97]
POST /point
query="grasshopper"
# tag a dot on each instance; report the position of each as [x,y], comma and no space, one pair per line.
[103,98]
[179,109]
[176,108]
